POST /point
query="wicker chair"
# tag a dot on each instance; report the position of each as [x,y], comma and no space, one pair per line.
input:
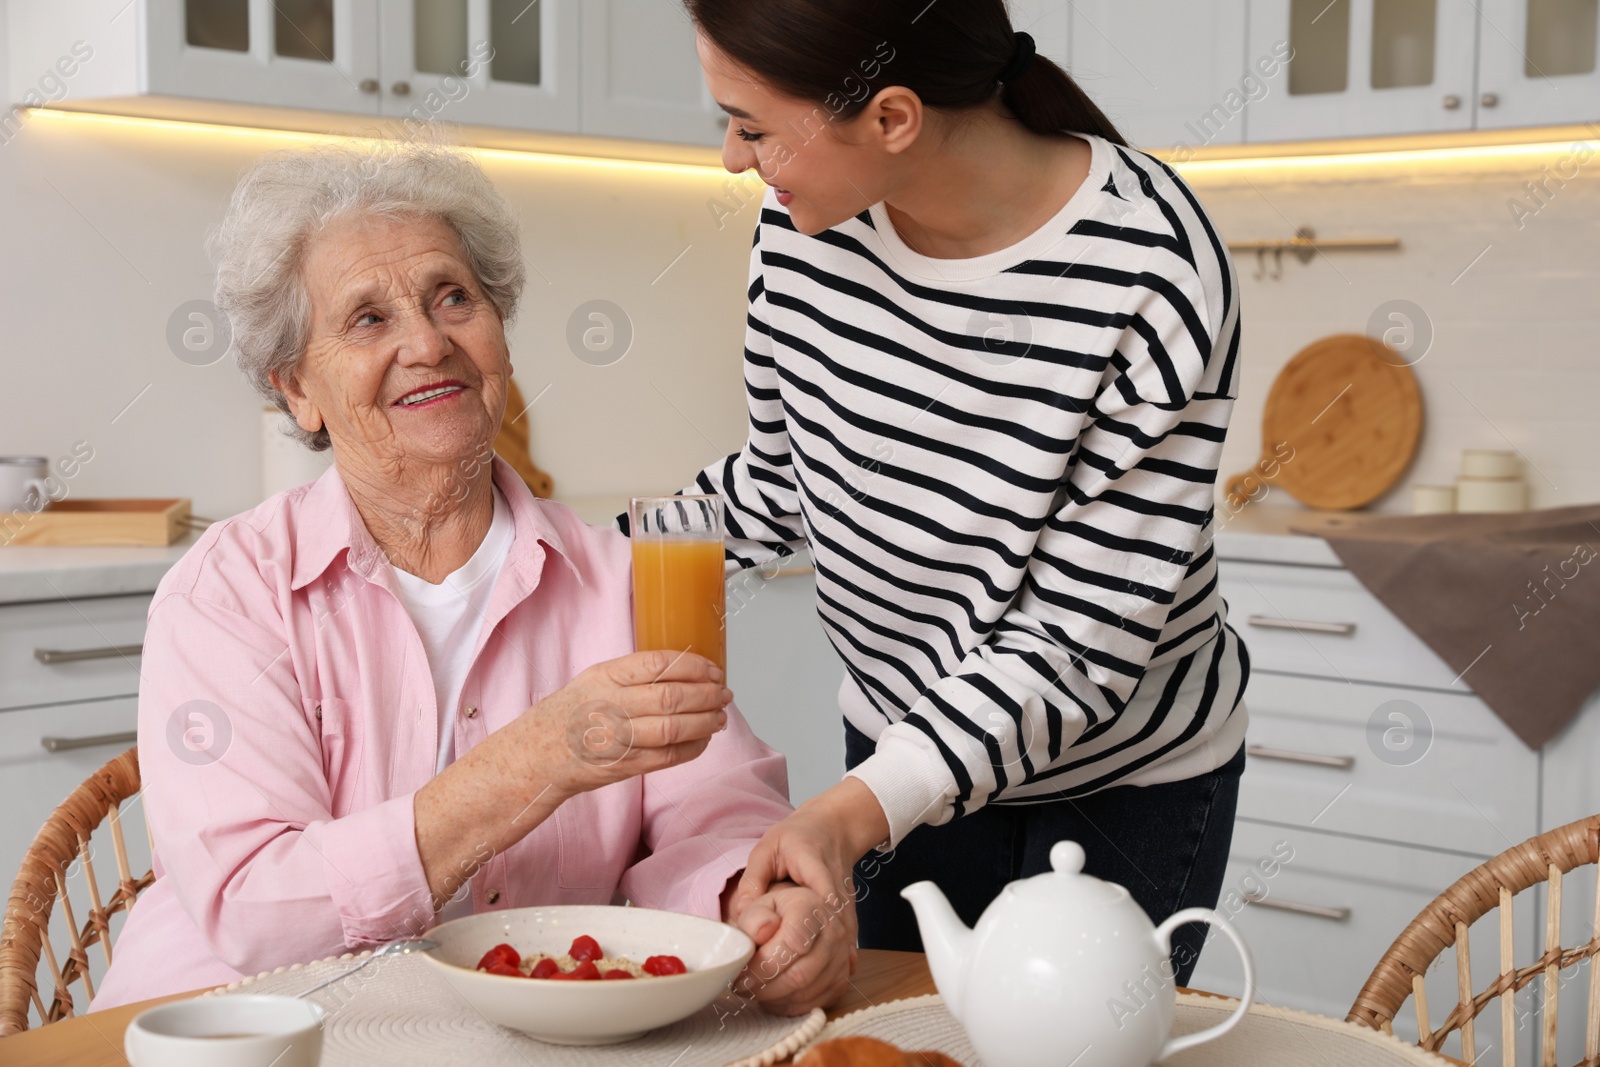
[1445,923]
[41,885]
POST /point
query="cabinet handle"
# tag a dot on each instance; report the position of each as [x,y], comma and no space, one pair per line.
[1268,622]
[66,744]
[1316,911]
[1490,100]
[401,88]
[795,572]
[1343,763]
[1452,102]
[52,656]
[368,85]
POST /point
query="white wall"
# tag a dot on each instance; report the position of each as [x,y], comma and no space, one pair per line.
[104,228]
[1514,361]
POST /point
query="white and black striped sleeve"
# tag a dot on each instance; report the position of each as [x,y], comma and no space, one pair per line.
[757,484]
[1063,661]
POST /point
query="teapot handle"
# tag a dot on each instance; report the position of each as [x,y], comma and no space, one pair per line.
[1164,938]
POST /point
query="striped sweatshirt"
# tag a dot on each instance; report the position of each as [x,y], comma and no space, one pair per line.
[1003,468]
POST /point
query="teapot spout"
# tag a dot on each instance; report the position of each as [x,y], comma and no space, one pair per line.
[946,940]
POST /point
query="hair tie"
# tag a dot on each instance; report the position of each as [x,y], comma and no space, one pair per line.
[1019,59]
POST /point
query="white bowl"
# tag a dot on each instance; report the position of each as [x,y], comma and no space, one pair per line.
[589,1013]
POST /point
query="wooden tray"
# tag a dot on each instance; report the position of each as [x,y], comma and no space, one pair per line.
[1340,427]
[98,522]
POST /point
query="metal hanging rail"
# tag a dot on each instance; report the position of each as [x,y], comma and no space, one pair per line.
[1304,245]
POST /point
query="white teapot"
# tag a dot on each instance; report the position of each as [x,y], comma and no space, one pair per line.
[1063,968]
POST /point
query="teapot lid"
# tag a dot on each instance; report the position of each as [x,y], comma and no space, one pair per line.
[1067,882]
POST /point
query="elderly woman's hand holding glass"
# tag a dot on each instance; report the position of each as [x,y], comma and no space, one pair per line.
[408,691]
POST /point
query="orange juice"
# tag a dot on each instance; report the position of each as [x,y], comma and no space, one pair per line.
[679,602]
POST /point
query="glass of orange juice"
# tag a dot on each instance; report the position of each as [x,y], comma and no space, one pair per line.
[679,599]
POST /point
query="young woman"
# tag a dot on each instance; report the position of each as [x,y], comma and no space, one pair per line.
[991,356]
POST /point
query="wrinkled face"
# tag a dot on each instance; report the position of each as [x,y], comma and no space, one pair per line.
[407,360]
[826,169]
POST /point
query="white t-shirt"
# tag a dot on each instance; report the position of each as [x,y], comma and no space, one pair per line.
[449,617]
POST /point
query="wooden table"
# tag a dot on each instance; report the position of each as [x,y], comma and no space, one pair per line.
[95,1040]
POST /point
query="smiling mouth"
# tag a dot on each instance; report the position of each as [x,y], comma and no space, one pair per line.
[428,393]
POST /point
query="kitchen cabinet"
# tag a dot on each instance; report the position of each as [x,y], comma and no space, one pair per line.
[1467,784]
[58,651]
[477,62]
[642,77]
[1536,62]
[1571,790]
[1176,76]
[785,675]
[1387,778]
[508,63]
[1167,74]
[1170,75]
[1302,898]
[1322,622]
[69,680]
[1366,67]
[296,53]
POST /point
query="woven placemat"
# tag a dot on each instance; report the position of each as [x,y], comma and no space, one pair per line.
[398,1012]
[1268,1037]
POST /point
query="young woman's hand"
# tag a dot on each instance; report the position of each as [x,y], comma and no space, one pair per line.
[817,847]
[806,949]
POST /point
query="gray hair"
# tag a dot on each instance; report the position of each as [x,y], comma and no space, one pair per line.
[288,197]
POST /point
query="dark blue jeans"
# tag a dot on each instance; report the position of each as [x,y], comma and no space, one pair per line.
[1168,844]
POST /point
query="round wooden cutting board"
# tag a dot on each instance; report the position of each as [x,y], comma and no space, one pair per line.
[1341,425]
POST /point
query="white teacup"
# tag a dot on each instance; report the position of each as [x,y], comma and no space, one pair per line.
[241,1031]
[22,483]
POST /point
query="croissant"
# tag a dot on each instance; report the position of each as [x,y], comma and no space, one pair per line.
[869,1052]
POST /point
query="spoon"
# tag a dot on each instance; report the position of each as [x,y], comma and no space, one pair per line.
[393,948]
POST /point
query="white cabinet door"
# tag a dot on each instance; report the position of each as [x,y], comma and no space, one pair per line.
[56,651]
[281,53]
[1408,765]
[1571,788]
[1168,74]
[641,74]
[785,675]
[482,62]
[1365,67]
[1537,64]
[1327,909]
[1322,621]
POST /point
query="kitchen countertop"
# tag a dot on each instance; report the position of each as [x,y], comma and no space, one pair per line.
[1258,533]
[33,572]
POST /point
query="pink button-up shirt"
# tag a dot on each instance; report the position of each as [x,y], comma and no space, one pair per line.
[287,715]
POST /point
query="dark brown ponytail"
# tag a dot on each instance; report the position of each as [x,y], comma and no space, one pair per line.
[949,52]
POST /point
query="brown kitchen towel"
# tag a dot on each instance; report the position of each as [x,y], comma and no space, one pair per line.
[1510,601]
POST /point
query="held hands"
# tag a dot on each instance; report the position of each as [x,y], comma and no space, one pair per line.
[642,712]
[805,950]
[817,846]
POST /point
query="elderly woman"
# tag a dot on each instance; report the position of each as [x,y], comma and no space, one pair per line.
[409,690]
